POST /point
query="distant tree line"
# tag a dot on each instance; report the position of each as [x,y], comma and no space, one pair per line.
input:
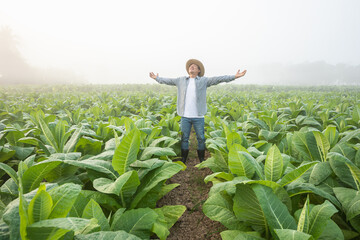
[15,70]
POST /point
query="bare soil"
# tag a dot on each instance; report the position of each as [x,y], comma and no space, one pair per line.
[192,193]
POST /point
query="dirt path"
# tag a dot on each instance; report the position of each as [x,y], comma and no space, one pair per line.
[191,193]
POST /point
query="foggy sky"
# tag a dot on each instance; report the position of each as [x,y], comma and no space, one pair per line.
[122,41]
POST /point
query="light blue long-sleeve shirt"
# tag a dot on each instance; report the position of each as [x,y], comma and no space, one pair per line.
[201,83]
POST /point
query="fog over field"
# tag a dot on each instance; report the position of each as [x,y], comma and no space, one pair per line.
[106,42]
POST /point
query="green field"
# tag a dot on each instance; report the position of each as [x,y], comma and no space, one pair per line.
[91,161]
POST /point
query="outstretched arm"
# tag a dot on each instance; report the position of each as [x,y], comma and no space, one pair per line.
[168,81]
[153,76]
[216,80]
[240,74]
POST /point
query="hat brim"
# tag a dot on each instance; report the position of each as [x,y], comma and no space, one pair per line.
[198,63]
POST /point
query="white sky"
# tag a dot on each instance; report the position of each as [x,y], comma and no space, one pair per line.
[122,41]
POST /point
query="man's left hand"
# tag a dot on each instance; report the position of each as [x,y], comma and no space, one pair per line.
[240,74]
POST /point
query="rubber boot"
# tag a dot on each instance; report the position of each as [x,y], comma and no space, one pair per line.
[184,155]
[201,155]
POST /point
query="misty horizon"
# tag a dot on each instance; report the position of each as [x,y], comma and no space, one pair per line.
[279,43]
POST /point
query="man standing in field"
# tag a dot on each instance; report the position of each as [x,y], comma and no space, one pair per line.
[191,102]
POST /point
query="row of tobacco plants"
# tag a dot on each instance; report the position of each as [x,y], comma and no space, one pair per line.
[91,162]
[286,164]
[86,163]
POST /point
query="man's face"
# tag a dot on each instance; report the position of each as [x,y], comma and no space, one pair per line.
[194,69]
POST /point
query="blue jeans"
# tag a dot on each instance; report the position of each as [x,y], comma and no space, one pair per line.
[198,124]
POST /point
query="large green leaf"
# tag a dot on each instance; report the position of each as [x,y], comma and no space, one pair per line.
[239,164]
[93,210]
[240,235]
[151,197]
[116,217]
[258,169]
[307,120]
[88,146]
[331,134]
[232,138]
[50,138]
[273,164]
[279,191]
[144,167]
[79,205]
[305,144]
[65,156]
[320,172]
[229,186]
[350,200]
[217,163]
[346,149]
[268,135]
[126,152]
[290,234]
[218,177]
[160,227]
[296,173]
[125,184]
[219,207]
[137,221]
[333,232]
[157,151]
[167,216]
[356,113]
[24,218]
[35,142]
[11,172]
[247,207]
[10,187]
[36,173]
[319,216]
[276,213]
[338,164]
[152,179]
[63,198]
[12,215]
[105,200]
[40,206]
[106,155]
[60,134]
[322,144]
[301,188]
[303,223]
[62,171]
[259,123]
[150,142]
[52,229]
[22,152]
[96,165]
[6,154]
[70,145]
[13,135]
[216,144]
[355,172]
[171,213]
[350,135]
[107,235]
[23,205]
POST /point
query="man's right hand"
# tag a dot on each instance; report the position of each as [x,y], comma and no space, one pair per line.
[153,76]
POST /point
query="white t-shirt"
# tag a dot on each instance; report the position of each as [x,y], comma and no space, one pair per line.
[190,101]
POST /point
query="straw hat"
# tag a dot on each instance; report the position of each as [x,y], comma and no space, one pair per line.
[198,63]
